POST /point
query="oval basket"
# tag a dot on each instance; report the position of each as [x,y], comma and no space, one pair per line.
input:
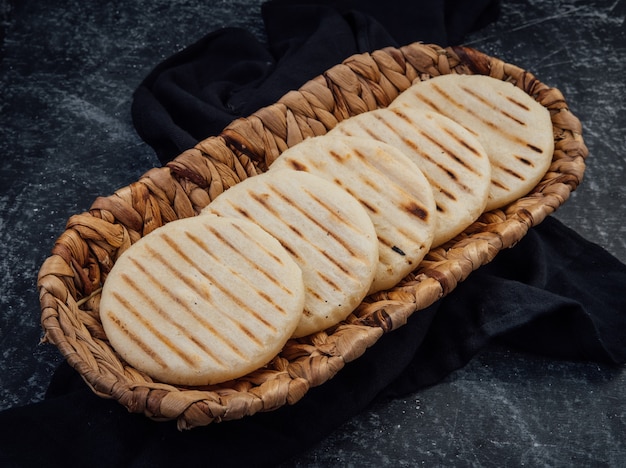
[70,279]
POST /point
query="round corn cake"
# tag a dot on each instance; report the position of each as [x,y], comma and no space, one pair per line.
[452,160]
[327,232]
[202,300]
[391,188]
[514,129]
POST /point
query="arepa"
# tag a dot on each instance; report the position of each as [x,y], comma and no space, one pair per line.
[327,232]
[514,129]
[452,160]
[391,188]
[202,300]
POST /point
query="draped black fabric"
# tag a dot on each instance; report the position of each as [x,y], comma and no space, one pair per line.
[230,73]
[553,293]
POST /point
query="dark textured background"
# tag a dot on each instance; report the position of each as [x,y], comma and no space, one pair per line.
[67,72]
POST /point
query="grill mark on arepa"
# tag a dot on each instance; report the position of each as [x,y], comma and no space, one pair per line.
[326,279]
[410,203]
[451,153]
[510,171]
[415,148]
[347,246]
[181,276]
[243,212]
[445,193]
[461,141]
[200,243]
[415,209]
[446,96]
[490,104]
[373,168]
[494,126]
[295,230]
[412,206]
[335,262]
[517,103]
[393,246]
[524,161]
[410,235]
[368,206]
[336,156]
[359,154]
[385,242]
[297,165]
[363,200]
[262,200]
[429,102]
[499,184]
[147,349]
[203,293]
[371,183]
[473,113]
[256,266]
[267,251]
[288,248]
[155,307]
[314,293]
[411,144]
[366,130]
[512,117]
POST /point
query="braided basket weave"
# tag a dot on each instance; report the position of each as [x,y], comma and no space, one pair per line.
[70,279]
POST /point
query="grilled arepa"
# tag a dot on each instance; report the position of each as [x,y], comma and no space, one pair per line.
[327,232]
[202,300]
[514,129]
[452,160]
[391,188]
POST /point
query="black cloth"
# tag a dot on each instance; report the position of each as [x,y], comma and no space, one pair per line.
[230,73]
[553,293]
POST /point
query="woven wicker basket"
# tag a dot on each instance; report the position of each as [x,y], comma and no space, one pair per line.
[70,279]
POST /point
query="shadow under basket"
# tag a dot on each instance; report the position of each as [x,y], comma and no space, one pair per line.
[70,280]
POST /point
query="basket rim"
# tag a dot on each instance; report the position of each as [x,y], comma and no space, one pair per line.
[69,278]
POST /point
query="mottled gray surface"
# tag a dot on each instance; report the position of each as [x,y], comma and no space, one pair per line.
[580,48]
[502,410]
[66,77]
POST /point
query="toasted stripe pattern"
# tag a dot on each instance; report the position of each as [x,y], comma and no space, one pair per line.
[515,130]
[202,300]
[454,163]
[325,230]
[391,188]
